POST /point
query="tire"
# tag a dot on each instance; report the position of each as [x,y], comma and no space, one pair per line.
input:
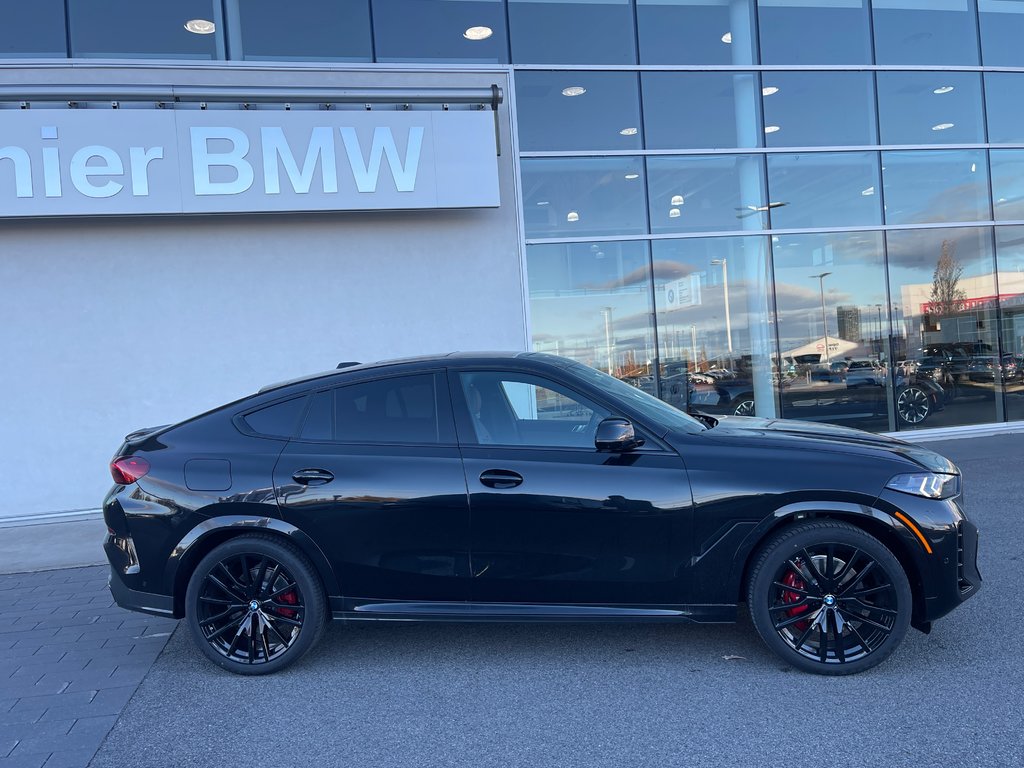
[254,605]
[789,601]
[913,405]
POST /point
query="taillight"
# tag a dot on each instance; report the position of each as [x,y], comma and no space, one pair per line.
[127,469]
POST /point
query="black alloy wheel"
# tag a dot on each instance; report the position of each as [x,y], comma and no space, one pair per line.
[913,405]
[829,598]
[254,605]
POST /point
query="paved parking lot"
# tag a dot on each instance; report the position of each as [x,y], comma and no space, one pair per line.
[568,695]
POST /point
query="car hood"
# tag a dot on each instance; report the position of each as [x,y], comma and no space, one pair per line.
[818,437]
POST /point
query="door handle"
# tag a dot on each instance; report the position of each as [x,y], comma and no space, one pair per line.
[312,476]
[500,478]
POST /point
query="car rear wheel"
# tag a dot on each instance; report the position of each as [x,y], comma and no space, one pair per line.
[828,598]
[254,605]
[913,405]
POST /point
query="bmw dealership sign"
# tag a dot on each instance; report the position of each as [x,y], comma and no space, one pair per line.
[95,162]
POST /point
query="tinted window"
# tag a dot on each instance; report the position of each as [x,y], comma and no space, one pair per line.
[114,28]
[726,102]
[519,409]
[278,420]
[935,186]
[695,31]
[33,29]
[1002,27]
[605,115]
[925,32]
[814,109]
[557,32]
[440,30]
[704,194]
[316,29]
[396,410]
[1004,97]
[824,189]
[320,419]
[814,31]
[930,108]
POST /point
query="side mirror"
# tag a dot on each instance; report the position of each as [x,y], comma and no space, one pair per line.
[616,435]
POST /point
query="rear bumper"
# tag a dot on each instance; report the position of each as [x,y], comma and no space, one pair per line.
[133,600]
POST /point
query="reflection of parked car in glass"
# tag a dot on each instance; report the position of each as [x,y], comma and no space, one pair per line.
[860,395]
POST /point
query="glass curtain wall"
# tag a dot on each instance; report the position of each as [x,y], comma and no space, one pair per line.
[721,204]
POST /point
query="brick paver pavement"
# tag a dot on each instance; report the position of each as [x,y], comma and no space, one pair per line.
[70,660]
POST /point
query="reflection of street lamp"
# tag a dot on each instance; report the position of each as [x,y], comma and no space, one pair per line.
[878,308]
[725,289]
[824,321]
[693,347]
[607,313]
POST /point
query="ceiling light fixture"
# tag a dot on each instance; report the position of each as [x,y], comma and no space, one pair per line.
[673,213]
[200,26]
[572,216]
[943,89]
[769,90]
[942,126]
[478,33]
[632,176]
[543,202]
[974,167]
[677,200]
[868,192]
[771,128]
[727,38]
[574,90]
[628,131]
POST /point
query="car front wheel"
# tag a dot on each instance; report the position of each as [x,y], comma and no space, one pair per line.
[254,605]
[828,598]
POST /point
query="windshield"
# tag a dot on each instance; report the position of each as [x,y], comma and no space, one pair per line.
[650,407]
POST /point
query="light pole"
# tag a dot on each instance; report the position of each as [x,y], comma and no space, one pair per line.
[607,312]
[725,289]
[824,321]
[878,309]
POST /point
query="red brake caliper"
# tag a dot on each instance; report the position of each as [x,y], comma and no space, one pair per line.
[292,599]
[792,580]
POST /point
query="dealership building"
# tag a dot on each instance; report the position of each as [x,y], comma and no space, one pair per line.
[796,208]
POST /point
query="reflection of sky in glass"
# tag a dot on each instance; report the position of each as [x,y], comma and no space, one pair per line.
[583,196]
[814,109]
[33,29]
[815,32]
[321,29]
[587,298]
[692,31]
[930,108]
[606,116]
[935,186]
[549,32]
[1008,184]
[127,27]
[918,32]
[824,189]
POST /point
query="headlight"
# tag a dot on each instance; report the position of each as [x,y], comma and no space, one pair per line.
[927,484]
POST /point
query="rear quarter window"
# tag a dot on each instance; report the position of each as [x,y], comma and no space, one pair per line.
[277,420]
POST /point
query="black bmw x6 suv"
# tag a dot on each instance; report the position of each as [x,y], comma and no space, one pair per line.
[526,487]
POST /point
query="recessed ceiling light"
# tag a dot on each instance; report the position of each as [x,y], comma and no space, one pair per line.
[943,89]
[942,126]
[769,90]
[673,213]
[628,131]
[632,176]
[868,192]
[572,216]
[200,26]
[677,200]
[478,33]
[574,90]
[727,37]
[974,167]
[543,202]
[771,128]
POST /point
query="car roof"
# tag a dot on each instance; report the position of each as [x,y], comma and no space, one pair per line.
[423,361]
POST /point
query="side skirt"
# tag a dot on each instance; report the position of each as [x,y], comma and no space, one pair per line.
[365,609]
